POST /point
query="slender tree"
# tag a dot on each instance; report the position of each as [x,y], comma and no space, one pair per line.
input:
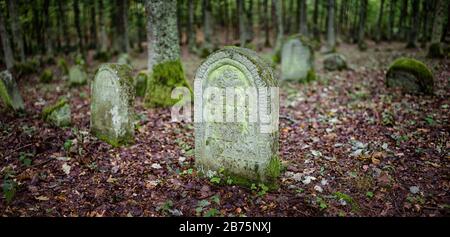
[316,30]
[191,26]
[402,20]
[63,23]
[207,23]
[362,24]
[7,49]
[93,28]
[435,50]
[103,45]
[48,28]
[379,22]
[76,11]
[412,36]
[122,26]
[16,30]
[331,36]
[303,18]
[390,31]
[243,27]
[280,29]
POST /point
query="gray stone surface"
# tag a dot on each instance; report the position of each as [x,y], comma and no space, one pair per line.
[112,105]
[77,75]
[297,60]
[238,149]
[333,62]
[9,92]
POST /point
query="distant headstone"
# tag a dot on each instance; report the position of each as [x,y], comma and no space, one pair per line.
[238,138]
[58,114]
[77,76]
[334,61]
[411,76]
[297,60]
[9,92]
[124,59]
[112,105]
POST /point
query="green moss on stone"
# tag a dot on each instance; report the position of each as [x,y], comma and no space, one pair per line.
[9,92]
[4,95]
[124,59]
[62,64]
[49,109]
[163,79]
[77,76]
[424,76]
[46,76]
[58,114]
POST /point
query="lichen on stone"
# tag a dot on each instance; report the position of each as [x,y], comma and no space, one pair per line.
[58,114]
[411,75]
[297,60]
[77,76]
[9,92]
[112,106]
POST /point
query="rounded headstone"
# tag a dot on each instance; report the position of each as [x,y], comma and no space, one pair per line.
[297,60]
[411,76]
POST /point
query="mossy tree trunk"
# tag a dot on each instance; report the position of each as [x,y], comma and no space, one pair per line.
[303,18]
[412,37]
[7,49]
[249,14]
[243,21]
[16,30]
[93,28]
[331,36]
[426,7]
[48,29]
[76,11]
[402,21]
[207,23]
[380,22]
[63,23]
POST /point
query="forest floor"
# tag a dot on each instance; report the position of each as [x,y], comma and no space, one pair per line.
[351,147]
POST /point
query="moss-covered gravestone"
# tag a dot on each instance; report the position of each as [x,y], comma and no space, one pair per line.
[46,76]
[297,60]
[9,92]
[112,105]
[243,145]
[334,61]
[58,114]
[141,83]
[411,76]
[124,59]
[77,76]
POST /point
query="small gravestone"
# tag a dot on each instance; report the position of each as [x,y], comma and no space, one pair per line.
[411,76]
[112,105]
[77,76]
[334,61]
[46,76]
[241,144]
[297,60]
[141,83]
[9,92]
[124,59]
[58,114]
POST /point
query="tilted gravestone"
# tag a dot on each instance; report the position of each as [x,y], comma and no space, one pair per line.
[58,114]
[9,92]
[297,60]
[112,105]
[237,135]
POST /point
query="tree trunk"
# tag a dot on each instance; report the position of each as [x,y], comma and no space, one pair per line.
[280,29]
[7,50]
[122,26]
[402,20]
[362,24]
[266,23]
[412,37]
[162,32]
[435,50]
[379,22]
[303,18]
[76,11]
[331,36]
[315,19]
[249,12]
[390,32]
[191,27]
[48,29]
[16,29]
[63,23]
[207,23]
[243,33]
[93,29]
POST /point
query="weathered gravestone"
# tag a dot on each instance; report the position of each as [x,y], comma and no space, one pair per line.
[112,105]
[334,61]
[58,114]
[9,92]
[240,140]
[77,75]
[411,76]
[297,60]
